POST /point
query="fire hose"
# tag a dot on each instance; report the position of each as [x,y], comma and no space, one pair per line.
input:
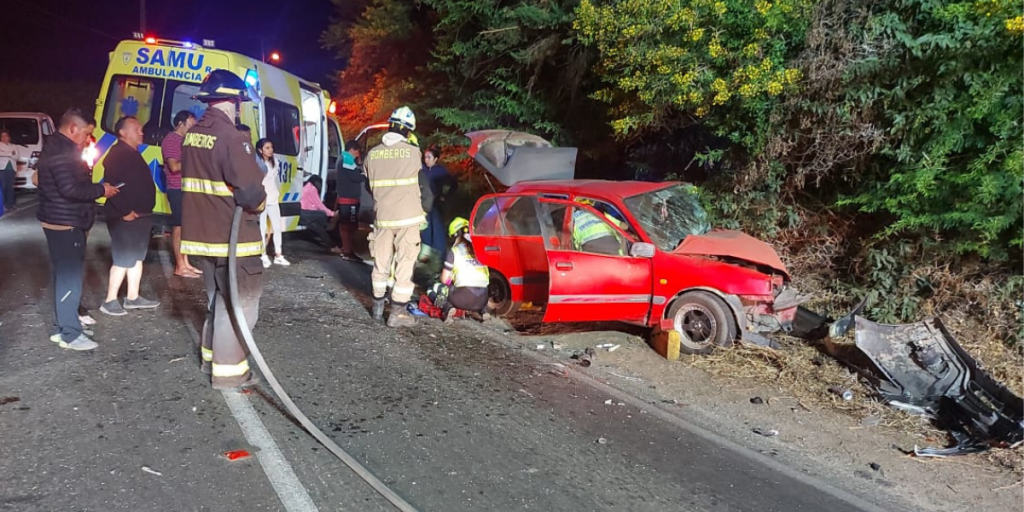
[254,351]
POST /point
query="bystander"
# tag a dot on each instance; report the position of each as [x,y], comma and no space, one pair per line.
[129,217]
[170,147]
[67,210]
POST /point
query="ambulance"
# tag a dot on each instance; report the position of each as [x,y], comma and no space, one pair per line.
[154,79]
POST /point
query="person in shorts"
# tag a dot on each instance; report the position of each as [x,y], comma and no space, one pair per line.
[170,148]
[129,216]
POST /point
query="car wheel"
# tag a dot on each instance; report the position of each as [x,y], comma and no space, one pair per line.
[499,296]
[703,322]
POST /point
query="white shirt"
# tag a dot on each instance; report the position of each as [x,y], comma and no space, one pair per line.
[9,154]
[270,183]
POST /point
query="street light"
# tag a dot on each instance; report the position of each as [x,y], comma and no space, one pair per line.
[275,57]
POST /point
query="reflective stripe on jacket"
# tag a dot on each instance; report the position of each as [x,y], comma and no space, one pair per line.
[467,271]
[218,172]
[586,227]
[392,169]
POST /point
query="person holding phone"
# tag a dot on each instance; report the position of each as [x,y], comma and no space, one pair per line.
[129,217]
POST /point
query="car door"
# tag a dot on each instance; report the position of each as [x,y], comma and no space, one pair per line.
[587,286]
[507,237]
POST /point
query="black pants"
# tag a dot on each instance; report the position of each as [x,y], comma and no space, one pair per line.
[222,343]
[465,298]
[316,222]
[67,259]
[7,179]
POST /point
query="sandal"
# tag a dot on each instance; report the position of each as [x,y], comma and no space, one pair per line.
[188,274]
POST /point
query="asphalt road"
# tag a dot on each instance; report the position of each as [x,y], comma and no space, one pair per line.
[449,418]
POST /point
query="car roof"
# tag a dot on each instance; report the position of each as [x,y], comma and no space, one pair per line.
[604,188]
[33,115]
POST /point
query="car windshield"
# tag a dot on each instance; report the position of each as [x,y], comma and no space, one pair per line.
[24,131]
[669,215]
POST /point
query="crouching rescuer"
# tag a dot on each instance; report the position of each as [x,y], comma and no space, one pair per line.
[464,280]
[219,172]
[392,169]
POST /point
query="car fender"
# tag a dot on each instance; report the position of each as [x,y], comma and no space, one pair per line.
[732,300]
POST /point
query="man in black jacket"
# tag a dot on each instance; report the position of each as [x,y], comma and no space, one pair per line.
[67,210]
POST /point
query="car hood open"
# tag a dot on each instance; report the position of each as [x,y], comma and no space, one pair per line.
[513,157]
[732,244]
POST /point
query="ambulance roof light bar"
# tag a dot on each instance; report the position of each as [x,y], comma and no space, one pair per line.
[207,43]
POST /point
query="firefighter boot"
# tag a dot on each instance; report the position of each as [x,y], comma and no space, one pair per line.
[400,317]
[378,309]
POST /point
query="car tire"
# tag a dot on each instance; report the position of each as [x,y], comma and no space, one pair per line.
[499,296]
[703,322]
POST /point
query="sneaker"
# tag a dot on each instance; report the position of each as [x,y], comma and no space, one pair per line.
[335,250]
[352,257]
[113,308]
[82,342]
[279,260]
[266,261]
[140,303]
[86,319]
[57,338]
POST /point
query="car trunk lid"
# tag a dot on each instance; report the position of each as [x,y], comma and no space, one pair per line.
[514,157]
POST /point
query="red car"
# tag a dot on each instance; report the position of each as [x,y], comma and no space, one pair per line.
[662,263]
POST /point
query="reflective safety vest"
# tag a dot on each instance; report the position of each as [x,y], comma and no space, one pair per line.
[586,227]
[468,272]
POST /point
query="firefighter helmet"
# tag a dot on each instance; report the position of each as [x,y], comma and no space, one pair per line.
[404,117]
[457,225]
[222,84]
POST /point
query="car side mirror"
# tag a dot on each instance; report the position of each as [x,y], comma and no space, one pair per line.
[641,250]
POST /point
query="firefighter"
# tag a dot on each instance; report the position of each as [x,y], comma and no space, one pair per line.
[219,172]
[464,279]
[392,169]
[591,234]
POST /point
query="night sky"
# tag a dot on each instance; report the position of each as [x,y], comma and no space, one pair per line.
[70,39]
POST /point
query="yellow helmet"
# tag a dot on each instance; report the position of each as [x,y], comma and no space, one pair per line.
[584,200]
[457,225]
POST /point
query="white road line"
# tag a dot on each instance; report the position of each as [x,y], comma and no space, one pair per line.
[293,495]
[289,489]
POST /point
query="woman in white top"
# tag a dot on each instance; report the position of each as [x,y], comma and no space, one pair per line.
[269,165]
[9,155]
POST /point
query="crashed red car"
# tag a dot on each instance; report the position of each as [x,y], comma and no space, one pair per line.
[671,267]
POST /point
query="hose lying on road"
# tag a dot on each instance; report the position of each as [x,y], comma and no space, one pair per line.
[352,463]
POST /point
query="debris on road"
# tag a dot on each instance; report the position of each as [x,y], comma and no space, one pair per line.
[540,346]
[757,400]
[842,392]
[176,359]
[233,455]
[608,402]
[631,379]
[925,371]
[9,400]
[765,432]
[602,440]
[875,466]
[614,348]
[606,345]
[870,421]
[150,471]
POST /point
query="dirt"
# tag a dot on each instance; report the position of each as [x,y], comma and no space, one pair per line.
[739,390]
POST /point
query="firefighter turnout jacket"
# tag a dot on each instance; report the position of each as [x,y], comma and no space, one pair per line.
[219,172]
[393,169]
[467,271]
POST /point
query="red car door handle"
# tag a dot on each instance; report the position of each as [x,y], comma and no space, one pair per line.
[563,265]
[492,248]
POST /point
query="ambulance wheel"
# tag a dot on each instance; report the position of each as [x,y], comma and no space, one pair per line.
[703,322]
[499,296]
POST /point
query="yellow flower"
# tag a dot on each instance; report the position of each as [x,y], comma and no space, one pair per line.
[766,65]
[774,88]
[693,97]
[760,34]
[762,6]
[721,98]
[715,49]
[751,50]
[720,8]
[792,75]
[1015,25]
[719,85]
[702,111]
[747,90]
[697,34]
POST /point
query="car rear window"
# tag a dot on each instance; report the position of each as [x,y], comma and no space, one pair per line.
[24,130]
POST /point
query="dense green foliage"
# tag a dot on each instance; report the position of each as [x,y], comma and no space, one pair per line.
[890,130]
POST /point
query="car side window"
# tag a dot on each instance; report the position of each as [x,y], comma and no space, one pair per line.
[486,222]
[593,234]
[614,215]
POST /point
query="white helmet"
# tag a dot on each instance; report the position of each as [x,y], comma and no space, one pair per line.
[403,116]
